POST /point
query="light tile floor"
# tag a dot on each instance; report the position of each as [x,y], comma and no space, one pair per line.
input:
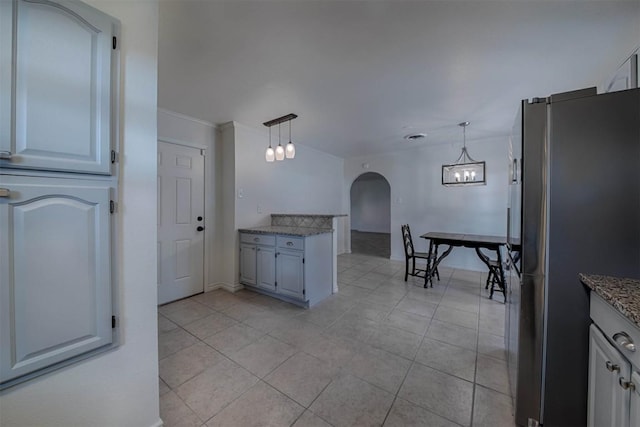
[380,352]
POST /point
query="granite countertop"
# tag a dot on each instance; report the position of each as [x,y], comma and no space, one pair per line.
[288,231]
[623,294]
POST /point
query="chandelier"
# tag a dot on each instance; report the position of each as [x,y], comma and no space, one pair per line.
[280,152]
[465,170]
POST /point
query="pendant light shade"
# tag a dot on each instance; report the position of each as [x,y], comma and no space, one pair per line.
[269,155]
[280,152]
[290,151]
[279,148]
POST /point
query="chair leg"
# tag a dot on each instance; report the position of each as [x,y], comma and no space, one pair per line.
[406,268]
[413,270]
[488,279]
[437,274]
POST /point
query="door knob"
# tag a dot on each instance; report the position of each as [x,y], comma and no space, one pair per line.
[199,218]
[200,228]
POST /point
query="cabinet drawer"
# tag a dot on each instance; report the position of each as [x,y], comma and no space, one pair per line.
[258,239]
[289,242]
[612,323]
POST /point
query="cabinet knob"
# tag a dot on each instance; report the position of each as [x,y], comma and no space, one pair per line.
[612,367]
[289,243]
[5,192]
[624,340]
[5,155]
[627,385]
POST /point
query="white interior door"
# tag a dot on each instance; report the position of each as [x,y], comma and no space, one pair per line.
[180,221]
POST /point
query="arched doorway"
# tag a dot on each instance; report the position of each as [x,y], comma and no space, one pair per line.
[371,215]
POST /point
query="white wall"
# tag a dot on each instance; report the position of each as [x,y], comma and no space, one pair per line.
[371,205]
[419,199]
[311,183]
[184,130]
[120,387]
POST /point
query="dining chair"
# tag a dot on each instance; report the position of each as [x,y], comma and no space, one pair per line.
[411,255]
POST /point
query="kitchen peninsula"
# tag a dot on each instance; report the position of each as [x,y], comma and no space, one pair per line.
[293,259]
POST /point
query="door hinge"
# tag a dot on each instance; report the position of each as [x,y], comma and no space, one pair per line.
[113,322]
[303,260]
[276,284]
[203,152]
[112,206]
[114,156]
[304,292]
[114,42]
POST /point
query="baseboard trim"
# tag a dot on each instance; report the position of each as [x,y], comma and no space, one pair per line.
[226,286]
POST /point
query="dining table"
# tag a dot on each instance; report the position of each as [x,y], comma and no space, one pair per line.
[478,242]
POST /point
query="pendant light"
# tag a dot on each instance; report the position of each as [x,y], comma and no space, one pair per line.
[465,171]
[279,148]
[290,151]
[280,152]
[269,155]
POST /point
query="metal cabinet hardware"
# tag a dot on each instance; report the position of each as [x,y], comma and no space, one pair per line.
[5,155]
[624,340]
[627,385]
[611,367]
[5,192]
[289,243]
[255,239]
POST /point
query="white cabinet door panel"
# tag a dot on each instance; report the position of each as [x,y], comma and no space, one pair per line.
[61,75]
[55,274]
[608,403]
[248,264]
[634,419]
[266,258]
[290,273]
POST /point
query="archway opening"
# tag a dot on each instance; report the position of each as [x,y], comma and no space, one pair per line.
[371,215]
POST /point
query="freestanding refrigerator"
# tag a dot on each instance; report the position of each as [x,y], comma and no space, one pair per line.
[574,207]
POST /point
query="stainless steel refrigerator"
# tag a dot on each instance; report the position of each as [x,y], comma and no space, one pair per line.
[574,206]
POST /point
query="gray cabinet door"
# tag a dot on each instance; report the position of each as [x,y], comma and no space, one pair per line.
[608,403]
[58,77]
[634,419]
[266,259]
[290,273]
[248,264]
[55,272]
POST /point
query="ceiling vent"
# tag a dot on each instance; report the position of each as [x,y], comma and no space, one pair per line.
[415,137]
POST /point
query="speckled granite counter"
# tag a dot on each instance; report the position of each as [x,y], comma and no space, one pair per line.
[287,231]
[621,293]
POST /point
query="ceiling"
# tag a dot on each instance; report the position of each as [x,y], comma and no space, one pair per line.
[363,74]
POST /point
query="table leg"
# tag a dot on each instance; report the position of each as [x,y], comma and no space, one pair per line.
[502,280]
[436,261]
[428,269]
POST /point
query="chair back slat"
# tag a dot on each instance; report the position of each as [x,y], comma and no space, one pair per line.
[408,242]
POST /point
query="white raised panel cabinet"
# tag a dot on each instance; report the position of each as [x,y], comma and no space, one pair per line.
[248,263]
[608,402]
[290,273]
[634,419]
[58,76]
[55,272]
[295,269]
[266,258]
[614,367]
